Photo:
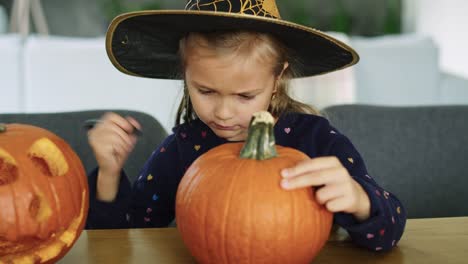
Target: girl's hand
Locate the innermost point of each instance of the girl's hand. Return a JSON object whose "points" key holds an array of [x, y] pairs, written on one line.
{"points": [[338, 191], [111, 140]]}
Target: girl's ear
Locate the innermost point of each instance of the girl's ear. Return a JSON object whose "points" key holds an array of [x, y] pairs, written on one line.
{"points": [[278, 78], [285, 66]]}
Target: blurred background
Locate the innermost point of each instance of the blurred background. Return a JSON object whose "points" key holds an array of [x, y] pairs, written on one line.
{"points": [[87, 18], [413, 52]]}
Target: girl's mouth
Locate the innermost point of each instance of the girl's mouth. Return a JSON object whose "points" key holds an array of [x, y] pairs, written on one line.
{"points": [[220, 127]]}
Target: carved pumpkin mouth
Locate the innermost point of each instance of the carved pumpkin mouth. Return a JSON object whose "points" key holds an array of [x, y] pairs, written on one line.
{"points": [[35, 250]]}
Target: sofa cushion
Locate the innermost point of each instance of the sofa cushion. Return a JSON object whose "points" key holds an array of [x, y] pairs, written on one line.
{"points": [[397, 70], [453, 89], [418, 153], [10, 72]]}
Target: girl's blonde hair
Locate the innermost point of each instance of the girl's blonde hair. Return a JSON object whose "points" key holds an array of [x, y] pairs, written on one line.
{"points": [[252, 45]]}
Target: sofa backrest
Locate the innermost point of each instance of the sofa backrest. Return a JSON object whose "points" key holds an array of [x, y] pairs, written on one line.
{"points": [[397, 70], [69, 126], [418, 153]]}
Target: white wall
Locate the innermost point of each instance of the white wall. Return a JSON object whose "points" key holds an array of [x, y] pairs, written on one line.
{"points": [[69, 74], [446, 21]]}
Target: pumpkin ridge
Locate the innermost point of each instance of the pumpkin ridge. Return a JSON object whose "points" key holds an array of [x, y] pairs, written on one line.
{"points": [[276, 216], [53, 205], [193, 184], [26, 220], [71, 191], [77, 167], [184, 198], [294, 220], [57, 204], [211, 172], [227, 206], [318, 221], [249, 220], [204, 222], [17, 229]]}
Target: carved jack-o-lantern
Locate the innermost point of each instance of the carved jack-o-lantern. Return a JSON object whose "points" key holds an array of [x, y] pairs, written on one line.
{"points": [[43, 195]]}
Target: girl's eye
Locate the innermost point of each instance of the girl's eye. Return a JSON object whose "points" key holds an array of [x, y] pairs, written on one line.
{"points": [[246, 97], [205, 91]]}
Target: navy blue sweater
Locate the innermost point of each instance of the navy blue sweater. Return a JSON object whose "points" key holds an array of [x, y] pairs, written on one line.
{"points": [[150, 202]]}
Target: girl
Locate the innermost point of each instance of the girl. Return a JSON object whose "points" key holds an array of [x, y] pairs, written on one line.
{"points": [[233, 64]]}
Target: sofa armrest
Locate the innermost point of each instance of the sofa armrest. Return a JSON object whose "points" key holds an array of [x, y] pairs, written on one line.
{"points": [[453, 89], [10, 72], [397, 70]]}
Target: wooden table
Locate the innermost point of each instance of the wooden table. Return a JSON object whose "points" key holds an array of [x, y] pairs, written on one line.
{"points": [[436, 240]]}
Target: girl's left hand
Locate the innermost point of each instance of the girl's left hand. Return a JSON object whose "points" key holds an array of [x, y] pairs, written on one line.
{"points": [[338, 191]]}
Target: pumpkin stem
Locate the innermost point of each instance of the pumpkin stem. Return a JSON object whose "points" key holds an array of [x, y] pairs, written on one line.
{"points": [[3, 128], [260, 143]]}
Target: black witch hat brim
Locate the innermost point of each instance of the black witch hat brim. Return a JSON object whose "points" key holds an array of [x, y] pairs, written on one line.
{"points": [[146, 43]]}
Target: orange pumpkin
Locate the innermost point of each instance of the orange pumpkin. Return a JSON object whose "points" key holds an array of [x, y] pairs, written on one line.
{"points": [[230, 208], [43, 195]]}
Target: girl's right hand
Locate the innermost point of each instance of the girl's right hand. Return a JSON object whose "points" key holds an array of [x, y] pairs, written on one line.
{"points": [[111, 140]]}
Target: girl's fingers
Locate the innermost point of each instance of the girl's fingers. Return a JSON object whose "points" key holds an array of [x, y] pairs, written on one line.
{"points": [[123, 123], [107, 128], [111, 143], [314, 178], [133, 140], [119, 153], [122, 135], [310, 165], [339, 204], [134, 122], [328, 193], [122, 147]]}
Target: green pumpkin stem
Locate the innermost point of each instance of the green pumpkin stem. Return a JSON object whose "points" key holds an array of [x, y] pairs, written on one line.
{"points": [[260, 143], [3, 128]]}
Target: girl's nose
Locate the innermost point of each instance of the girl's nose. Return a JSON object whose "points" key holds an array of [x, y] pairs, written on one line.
{"points": [[223, 110]]}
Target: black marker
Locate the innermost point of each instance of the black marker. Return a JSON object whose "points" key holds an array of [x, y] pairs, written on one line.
{"points": [[90, 123]]}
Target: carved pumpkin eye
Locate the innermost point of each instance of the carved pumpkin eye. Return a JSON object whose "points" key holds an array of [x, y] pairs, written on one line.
{"points": [[8, 168], [48, 157]]}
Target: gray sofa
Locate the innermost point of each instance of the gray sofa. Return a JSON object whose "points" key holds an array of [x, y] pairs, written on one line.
{"points": [[418, 153]]}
